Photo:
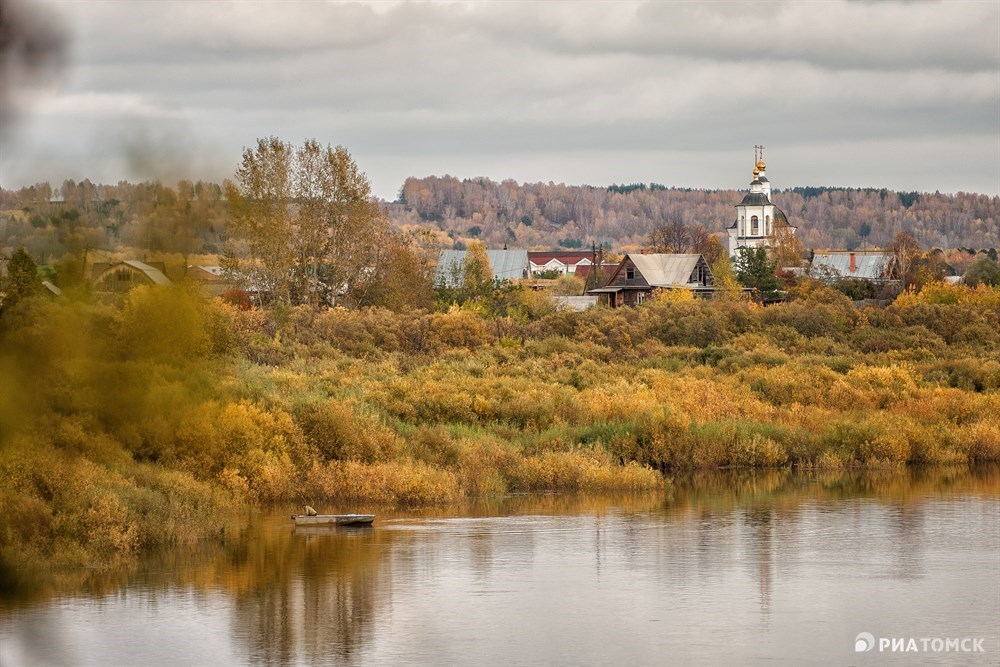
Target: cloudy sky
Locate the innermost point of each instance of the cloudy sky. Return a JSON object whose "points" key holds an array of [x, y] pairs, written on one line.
{"points": [[904, 95]]}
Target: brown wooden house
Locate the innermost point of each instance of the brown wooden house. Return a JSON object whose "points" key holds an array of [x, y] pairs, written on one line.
{"points": [[639, 276]]}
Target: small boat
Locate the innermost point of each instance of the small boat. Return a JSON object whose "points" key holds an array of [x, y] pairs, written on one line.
{"points": [[333, 519]]}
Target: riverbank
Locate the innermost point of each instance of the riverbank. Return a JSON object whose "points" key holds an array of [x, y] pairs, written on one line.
{"points": [[130, 427]]}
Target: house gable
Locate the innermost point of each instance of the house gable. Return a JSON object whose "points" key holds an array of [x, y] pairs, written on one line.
{"points": [[638, 276]]}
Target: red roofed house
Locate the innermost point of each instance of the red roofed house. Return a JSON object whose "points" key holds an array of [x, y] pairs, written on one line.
{"points": [[561, 261]]}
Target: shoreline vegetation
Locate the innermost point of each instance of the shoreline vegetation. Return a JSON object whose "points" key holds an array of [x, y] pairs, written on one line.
{"points": [[161, 419]]}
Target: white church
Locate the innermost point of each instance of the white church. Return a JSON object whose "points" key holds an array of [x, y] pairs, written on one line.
{"points": [[756, 216]]}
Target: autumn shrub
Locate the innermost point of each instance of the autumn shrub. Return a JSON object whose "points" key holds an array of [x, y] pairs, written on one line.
{"points": [[888, 439], [431, 444], [402, 483], [338, 429], [868, 340], [738, 443], [580, 470], [981, 440], [659, 438], [66, 509], [968, 374], [883, 386], [168, 324], [483, 465], [811, 318], [456, 329], [686, 323], [944, 320], [793, 383]]}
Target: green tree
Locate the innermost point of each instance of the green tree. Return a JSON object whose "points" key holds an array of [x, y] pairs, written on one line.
{"points": [[755, 269], [983, 271], [478, 273], [22, 278]]}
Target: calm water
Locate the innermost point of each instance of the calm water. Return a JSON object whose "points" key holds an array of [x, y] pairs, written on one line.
{"points": [[766, 568]]}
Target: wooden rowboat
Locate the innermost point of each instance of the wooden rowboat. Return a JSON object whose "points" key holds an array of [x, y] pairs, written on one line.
{"points": [[333, 519]]}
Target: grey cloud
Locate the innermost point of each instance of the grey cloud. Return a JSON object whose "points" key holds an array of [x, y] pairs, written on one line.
{"points": [[482, 82]]}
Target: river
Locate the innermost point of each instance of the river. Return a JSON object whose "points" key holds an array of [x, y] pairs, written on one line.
{"points": [[767, 567]]}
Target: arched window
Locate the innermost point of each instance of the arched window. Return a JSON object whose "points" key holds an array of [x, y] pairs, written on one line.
{"points": [[743, 226], [754, 226]]}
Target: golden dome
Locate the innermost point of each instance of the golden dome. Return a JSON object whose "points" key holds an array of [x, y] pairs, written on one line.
{"points": [[760, 164], [756, 172]]}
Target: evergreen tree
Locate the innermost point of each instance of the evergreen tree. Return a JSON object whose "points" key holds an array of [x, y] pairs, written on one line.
{"points": [[22, 278], [755, 269]]}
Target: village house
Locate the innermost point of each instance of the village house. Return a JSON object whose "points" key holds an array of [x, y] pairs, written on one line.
{"points": [[123, 276], [211, 277], [874, 266], [640, 276], [565, 262], [506, 264]]}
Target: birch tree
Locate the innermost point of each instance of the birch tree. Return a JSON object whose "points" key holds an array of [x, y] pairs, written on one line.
{"points": [[305, 224]]}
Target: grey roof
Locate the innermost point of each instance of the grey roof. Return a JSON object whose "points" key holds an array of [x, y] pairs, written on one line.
{"points": [[151, 272], [662, 270], [755, 199], [868, 265], [506, 265]]}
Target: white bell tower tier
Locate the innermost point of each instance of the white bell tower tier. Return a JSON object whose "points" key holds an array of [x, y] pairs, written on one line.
{"points": [[756, 216]]}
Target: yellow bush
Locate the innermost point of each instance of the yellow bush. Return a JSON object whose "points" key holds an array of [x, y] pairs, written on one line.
{"points": [[392, 483], [982, 439]]}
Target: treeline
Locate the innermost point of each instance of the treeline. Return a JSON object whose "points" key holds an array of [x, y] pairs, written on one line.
{"points": [[192, 218], [51, 223], [540, 215]]}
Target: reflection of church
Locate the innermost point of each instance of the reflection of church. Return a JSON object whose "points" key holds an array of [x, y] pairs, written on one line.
{"points": [[756, 216]]}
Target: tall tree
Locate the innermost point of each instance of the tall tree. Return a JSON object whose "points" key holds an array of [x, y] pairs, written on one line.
{"points": [[983, 271], [905, 252], [260, 219], [22, 278], [754, 268], [478, 272], [308, 228]]}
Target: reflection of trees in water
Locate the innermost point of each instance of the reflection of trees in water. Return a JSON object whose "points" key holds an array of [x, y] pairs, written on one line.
{"points": [[769, 504], [309, 596]]}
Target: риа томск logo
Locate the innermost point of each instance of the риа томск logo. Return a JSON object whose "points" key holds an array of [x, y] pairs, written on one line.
{"points": [[866, 641]]}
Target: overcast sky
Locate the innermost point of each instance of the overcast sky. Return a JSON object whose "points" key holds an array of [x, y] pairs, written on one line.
{"points": [[904, 95]]}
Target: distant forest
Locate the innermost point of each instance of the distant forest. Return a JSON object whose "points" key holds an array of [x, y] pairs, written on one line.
{"points": [[190, 217], [548, 216]]}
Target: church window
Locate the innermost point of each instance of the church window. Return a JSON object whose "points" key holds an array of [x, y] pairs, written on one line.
{"points": [[743, 226], [767, 224], [754, 226]]}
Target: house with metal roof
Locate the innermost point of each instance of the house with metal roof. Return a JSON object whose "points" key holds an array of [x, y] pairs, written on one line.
{"points": [[873, 266], [506, 265], [123, 276], [639, 276]]}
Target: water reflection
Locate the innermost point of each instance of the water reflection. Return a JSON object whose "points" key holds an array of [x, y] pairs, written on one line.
{"points": [[736, 567]]}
